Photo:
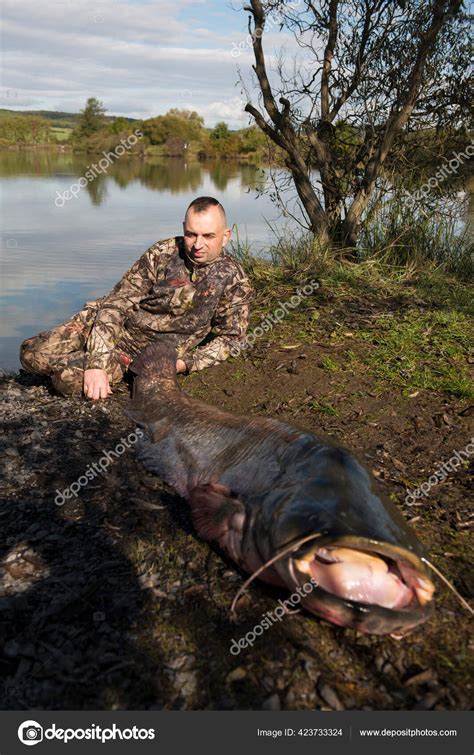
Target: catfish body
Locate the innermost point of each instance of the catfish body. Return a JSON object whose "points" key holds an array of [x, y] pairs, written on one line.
{"points": [[256, 485]]}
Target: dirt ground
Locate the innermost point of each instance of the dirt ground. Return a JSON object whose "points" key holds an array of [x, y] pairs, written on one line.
{"points": [[112, 602]]}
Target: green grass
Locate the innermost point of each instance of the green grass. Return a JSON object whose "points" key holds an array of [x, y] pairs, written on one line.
{"points": [[421, 350], [423, 271], [329, 364], [327, 409], [61, 134], [422, 343]]}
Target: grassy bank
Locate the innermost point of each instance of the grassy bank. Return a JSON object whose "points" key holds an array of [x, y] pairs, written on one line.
{"points": [[419, 336]]}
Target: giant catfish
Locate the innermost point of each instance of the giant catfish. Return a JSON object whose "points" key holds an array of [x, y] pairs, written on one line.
{"points": [[266, 491]]}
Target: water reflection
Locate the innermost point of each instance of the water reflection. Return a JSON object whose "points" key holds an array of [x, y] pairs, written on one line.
{"points": [[173, 175]]}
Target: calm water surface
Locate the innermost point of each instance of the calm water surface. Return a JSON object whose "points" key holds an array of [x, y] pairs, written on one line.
{"points": [[55, 258]]}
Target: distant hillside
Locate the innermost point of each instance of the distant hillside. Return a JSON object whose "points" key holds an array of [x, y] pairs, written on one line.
{"points": [[67, 120]]}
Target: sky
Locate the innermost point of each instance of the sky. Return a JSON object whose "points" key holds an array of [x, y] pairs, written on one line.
{"points": [[139, 57]]}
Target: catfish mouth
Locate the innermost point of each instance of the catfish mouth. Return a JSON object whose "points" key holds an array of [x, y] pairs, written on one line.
{"points": [[374, 587]]}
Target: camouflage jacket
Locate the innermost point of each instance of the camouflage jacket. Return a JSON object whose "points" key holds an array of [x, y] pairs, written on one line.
{"points": [[166, 292]]}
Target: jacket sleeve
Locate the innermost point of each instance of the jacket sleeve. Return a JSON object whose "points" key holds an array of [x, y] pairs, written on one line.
{"points": [[106, 331], [229, 324]]}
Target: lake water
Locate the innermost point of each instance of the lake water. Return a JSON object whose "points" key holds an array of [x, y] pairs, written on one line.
{"points": [[54, 258]]}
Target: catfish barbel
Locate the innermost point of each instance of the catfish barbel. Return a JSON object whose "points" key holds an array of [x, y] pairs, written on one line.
{"points": [[283, 503]]}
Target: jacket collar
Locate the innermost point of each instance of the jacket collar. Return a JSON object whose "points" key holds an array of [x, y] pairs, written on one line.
{"points": [[192, 266]]}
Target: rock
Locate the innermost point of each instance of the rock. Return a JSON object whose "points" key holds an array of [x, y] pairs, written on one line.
{"points": [[428, 702], [18, 569], [15, 390], [236, 674], [271, 703], [149, 580], [311, 669], [11, 452], [349, 701], [186, 682], [181, 662], [329, 696], [421, 678], [193, 590]]}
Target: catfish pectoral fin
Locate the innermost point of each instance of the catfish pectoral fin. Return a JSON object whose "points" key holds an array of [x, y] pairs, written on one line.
{"points": [[218, 515]]}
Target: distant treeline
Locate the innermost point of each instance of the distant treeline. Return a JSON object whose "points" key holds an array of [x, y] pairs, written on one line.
{"points": [[179, 133], [182, 133]]}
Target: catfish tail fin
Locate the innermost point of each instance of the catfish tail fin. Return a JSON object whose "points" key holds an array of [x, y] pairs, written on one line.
{"points": [[155, 369], [157, 361]]}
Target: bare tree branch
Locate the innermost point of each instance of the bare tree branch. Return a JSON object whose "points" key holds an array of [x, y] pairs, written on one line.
{"points": [[328, 56], [369, 69]]}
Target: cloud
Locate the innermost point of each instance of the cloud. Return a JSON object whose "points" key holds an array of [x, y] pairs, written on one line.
{"points": [[139, 57], [231, 111]]}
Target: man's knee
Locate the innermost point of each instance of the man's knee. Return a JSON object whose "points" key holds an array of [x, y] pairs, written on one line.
{"points": [[31, 358]]}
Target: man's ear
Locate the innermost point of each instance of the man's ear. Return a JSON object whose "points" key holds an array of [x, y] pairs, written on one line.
{"points": [[227, 233]]}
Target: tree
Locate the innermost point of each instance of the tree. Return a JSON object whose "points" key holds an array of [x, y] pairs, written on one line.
{"points": [[220, 131], [252, 139], [119, 125], [185, 124], [175, 146], [191, 116], [21, 129], [370, 71], [91, 118]]}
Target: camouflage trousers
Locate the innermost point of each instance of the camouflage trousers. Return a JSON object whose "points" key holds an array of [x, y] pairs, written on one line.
{"points": [[60, 353]]}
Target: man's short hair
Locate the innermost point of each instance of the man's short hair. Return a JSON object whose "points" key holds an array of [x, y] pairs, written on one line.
{"points": [[202, 204]]}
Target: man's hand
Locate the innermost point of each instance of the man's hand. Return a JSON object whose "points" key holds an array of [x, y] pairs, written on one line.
{"points": [[180, 366], [96, 384]]}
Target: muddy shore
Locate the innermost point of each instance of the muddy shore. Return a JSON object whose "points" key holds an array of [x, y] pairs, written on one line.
{"points": [[111, 601]]}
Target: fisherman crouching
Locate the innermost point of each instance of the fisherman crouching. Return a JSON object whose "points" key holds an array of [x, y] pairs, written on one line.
{"points": [[185, 285]]}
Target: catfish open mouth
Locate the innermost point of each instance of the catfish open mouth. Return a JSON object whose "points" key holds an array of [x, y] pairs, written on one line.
{"points": [[367, 574]]}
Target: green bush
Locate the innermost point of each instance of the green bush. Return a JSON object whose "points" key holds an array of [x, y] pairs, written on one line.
{"points": [[24, 129]]}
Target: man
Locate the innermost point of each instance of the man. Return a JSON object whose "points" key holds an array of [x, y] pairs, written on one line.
{"points": [[185, 286]]}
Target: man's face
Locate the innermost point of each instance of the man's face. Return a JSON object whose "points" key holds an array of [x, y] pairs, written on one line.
{"points": [[205, 234]]}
